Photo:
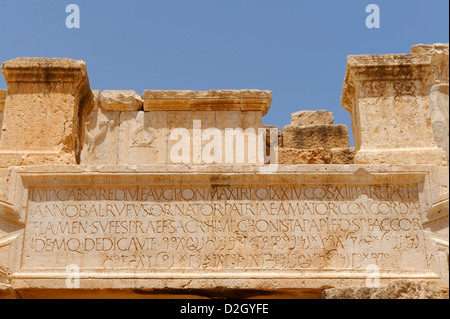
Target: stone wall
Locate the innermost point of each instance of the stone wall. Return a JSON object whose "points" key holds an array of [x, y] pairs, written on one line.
{"points": [[173, 193], [313, 139]]}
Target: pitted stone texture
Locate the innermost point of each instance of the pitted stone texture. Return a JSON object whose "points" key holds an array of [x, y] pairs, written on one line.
{"points": [[127, 210], [315, 136], [2, 108], [125, 100], [316, 156], [47, 103], [387, 97], [439, 106], [214, 100], [397, 290], [101, 138], [439, 53], [304, 118], [2, 100]]}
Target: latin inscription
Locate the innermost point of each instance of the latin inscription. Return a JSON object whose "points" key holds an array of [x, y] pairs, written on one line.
{"points": [[225, 227]]}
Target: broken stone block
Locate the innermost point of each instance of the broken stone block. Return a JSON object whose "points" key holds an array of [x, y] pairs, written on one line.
{"points": [[316, 156], [315, 136], [304, 118], [213, 100], [2, 107], [400, 289], [125, 100], [101, 138]]}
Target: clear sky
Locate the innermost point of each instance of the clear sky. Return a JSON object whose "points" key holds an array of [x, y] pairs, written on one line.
{"points": [[295, 48]]}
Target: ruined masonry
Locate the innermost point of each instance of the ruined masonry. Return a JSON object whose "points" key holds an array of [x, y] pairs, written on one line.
{"points": [[185, 193]]}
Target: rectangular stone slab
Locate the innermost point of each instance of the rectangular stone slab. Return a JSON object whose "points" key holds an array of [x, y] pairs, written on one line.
{"points": [[160, 227], [315, 136]]}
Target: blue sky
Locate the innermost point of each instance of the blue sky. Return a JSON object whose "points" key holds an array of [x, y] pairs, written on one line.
{"points": [[297, 49]]}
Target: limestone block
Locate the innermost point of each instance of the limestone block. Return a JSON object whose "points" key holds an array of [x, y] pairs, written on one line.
{"points": [[143, 137], [125, 100], [47, 103], [437, 83], [304, 118], [101, 139], [206, 112], [439, 53], [201, 227], [315, 136], [2, 100], [214, 100], [316, 156], [387, 97], [402, 289]]}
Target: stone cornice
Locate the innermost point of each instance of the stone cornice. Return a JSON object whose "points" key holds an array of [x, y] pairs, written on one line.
{"points": [[220, 100], [390, 67]]}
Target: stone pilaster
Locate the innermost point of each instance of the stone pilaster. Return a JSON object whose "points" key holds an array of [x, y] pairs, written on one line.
{"points": [[46, 103], [387, 97]]}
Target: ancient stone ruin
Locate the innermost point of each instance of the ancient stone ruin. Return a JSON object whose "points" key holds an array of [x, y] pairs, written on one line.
{"points": [[187, 193]]}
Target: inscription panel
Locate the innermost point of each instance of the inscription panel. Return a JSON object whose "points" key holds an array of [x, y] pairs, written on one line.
{"points": [[225, 227]]}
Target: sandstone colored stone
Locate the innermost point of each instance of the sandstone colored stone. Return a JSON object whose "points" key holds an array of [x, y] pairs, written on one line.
{"points": [[438, 84], [304, 118], [101, 140], [54, 93], [387, 97], [439, 53], [129, 222], [2, 107], [121, 100], [397, 290], [219, 100], [143, 138], [2, 100], [124, 195], [316, 156], [315, 136]]}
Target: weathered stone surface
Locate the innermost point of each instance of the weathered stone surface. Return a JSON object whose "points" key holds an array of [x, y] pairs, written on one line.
{"points": [[316, 156], [304, 118], [121, 100], [439, 53], [397, 290], [315, 136], [170, 223], [101, 140], [439, 105], [388, 98], [220, 100], [54, 93], [2, 100], [438, 83], [126, 221]]}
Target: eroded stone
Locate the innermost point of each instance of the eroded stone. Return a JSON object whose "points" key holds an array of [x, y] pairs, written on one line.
{"points": [[121, 100], [315, 136], [304, 118], [57, 95]]}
